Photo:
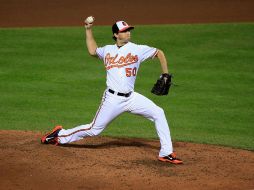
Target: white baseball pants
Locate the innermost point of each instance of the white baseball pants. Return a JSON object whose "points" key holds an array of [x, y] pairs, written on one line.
{"points": [[113, 105]]}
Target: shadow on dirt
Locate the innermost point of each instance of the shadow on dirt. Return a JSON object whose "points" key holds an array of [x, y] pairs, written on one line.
{"points": [[113, 143]]}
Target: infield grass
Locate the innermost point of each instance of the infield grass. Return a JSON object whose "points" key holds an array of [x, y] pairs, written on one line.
{"points": [[48, 78]]}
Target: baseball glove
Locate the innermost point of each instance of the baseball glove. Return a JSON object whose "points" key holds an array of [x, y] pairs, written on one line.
{"points": [[161, 87]]}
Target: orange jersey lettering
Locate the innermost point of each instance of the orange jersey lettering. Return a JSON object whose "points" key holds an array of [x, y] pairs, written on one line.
{"points": [[116, 61]]}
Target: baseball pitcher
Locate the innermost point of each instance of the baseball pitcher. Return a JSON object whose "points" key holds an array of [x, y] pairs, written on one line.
{"points": [[122, 61]]}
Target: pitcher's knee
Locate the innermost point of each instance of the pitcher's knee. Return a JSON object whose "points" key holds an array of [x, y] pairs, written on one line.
{"points": [[96, 131], [159, 112]]}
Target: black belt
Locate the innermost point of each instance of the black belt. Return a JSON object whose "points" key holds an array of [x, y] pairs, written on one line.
{"points": [[119, 93]]}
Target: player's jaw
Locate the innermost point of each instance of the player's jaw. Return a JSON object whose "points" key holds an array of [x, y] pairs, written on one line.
{"points": [[124, 37]]}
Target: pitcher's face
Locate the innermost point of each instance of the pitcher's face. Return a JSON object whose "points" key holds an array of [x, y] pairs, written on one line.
{"points": [[123, 36]]}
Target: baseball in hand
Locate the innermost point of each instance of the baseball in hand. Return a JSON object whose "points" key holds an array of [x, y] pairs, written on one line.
{"points": [[89, 20]]}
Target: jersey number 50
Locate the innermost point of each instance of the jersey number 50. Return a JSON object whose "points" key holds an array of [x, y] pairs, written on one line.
{"points": [[131, 71]]}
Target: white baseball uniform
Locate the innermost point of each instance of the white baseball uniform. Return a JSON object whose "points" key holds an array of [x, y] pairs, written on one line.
{"points": [[122, 64]]}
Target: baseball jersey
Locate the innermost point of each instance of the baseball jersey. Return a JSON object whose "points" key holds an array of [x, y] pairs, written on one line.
{"points": [[122, 64]]}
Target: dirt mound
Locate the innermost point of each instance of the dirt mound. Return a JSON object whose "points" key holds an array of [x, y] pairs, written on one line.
{"points": [[118, 163]]}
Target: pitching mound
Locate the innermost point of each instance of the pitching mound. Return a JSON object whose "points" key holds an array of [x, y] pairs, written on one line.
{"points": [[113, 163]]}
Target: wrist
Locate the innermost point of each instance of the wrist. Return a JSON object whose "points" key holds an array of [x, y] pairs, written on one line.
{"points": [[166, 75], [88, 26]]}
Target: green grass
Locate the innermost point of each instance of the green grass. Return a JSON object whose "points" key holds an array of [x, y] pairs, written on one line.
{"points": [[48, 78]]}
